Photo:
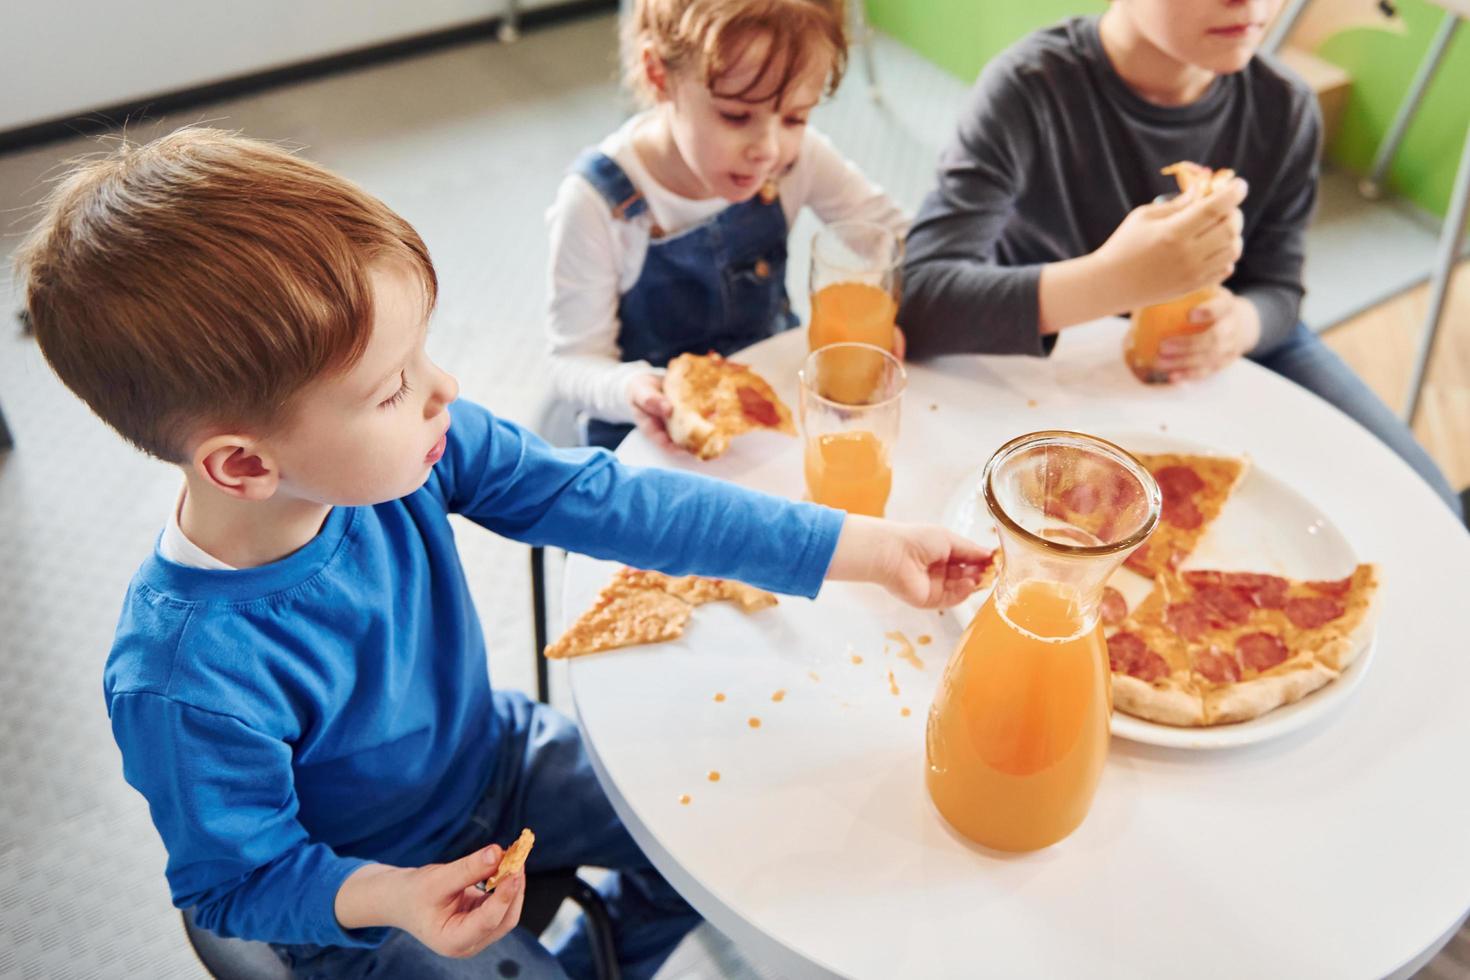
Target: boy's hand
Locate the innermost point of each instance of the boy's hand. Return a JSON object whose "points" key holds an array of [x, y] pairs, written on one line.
{"points": [[924, 565], [1235, 327], [651, 409], [438, 904], [1169, 248]]}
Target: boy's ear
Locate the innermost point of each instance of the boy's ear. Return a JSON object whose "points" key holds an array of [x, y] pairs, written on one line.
{"points": [[237, 465], [655, 72]]}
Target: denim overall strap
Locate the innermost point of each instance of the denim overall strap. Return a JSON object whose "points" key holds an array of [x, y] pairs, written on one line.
{"points": [[609, 180], [718, 286]]}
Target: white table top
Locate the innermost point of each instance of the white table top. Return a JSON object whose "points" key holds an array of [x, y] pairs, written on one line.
{"points": [[1342, 850]]}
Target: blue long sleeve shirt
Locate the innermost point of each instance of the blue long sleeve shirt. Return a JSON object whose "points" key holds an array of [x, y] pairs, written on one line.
{"points": [[292, 722]]}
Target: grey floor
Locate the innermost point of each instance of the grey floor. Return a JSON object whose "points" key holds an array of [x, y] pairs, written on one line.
{"points": [[468, 144]]}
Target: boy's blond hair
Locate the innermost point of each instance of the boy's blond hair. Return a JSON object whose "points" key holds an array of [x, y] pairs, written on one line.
{"points": [[709, 37], [205, 279]]}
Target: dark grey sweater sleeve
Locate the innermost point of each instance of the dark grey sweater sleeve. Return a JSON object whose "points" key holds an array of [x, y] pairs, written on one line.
{"points": [[957, 298], [1269, 273]]}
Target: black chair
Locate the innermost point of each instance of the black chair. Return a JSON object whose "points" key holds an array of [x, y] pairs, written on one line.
{"points": [[555, 422], [238, 959]]}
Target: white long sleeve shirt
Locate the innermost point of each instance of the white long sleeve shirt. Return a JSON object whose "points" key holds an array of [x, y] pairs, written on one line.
{"points": [[595, 258]]}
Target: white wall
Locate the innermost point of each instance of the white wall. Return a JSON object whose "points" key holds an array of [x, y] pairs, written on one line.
{"points": [[65, 57]]}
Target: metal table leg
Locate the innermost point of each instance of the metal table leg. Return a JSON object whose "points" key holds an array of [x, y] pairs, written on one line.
{"points": [[1283, 25], [1450, 237], [1371, 186], [510, 23]]}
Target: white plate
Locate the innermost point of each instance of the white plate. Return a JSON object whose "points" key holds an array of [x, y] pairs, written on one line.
{"points": [[1266, 526]]}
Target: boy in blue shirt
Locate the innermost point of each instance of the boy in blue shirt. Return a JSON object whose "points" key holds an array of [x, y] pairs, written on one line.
{"points": [[298, 682]]}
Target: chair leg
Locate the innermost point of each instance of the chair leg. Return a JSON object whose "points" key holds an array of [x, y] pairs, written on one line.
{"points": [[599, 930], [538, 621]]}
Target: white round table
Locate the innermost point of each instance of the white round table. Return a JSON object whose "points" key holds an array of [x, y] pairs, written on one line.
{"points": [[1342, 850]]}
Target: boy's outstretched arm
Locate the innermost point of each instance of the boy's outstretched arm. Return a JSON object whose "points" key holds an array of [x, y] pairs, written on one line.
{"points": [[924, 565]]}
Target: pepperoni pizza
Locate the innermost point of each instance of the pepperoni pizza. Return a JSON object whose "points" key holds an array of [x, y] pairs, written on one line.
{"points": [[1210, 647]]}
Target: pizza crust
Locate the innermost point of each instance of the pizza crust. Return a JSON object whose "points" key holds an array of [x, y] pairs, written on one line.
{"points": [[1163, 703], [639, 607]]}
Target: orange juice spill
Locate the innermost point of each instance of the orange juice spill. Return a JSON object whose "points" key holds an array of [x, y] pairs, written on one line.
{"points": [[905, 712], [754, 723], [852, 312], [684, 799], [779, 696], [849, 471], [714, 776], [856, 659], [1152, 325], [925, 639], [892, 685], [719, 697], [1019, 731]]}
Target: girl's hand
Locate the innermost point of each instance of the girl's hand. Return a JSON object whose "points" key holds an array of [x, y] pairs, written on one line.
{"points": [[651, 409]]}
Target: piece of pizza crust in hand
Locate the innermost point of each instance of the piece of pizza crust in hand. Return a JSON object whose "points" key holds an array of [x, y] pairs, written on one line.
{"points": [[639, 607], [1188, 174], [512, 860], [714, 400]]}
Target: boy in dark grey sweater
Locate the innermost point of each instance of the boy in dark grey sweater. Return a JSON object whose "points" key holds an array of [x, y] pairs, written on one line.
{"points": [[1044, 216]]}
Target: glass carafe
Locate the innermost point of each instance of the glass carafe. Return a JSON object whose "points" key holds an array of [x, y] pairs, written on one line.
{"points": [[1018, 731]]}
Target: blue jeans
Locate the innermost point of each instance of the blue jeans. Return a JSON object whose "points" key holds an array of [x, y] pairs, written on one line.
{"points": [[543, 781], [1304, 359]]}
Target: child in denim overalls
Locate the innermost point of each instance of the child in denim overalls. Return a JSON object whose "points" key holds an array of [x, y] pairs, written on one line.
{"points": [[670, 236]]}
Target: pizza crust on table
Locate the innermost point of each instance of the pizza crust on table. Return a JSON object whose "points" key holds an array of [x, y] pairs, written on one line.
{"points": [[639, 607], [1212, 648], [714, 400]]}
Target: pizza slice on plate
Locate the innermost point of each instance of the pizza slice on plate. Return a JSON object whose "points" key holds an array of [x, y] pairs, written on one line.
{"points": [[1211, 647], [1194, 489]]}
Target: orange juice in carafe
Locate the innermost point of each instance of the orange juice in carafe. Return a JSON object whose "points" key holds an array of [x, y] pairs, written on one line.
{"points": [[1019, 731], [849, 471]]}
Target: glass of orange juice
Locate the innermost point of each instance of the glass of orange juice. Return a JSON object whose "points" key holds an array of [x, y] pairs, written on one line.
{"points": [[854, 284], [1152, 325], [1018, 731], [849, 406]]}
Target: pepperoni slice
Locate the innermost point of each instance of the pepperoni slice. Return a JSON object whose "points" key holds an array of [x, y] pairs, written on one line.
{"points": [[1261, 651], [1199, 579], [1216, 665], [1178, 481], [1188, 619], [1309, 612], [758, 407], [1263, 591], [1114, 607], [1081, 498], [1182, 513], [1226, 605], [1128, 654], [1337, 589], [1138, 561]]}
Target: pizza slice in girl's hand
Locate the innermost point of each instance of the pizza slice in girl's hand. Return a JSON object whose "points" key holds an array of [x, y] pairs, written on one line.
{"points": [[1194, 489], [714, 400], [1210, 648]]}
